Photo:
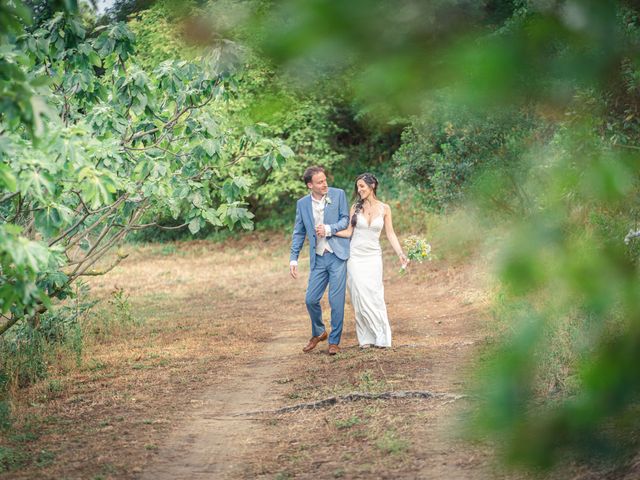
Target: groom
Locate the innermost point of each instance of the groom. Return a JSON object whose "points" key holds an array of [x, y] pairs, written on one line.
{"points": [[319, 216]]}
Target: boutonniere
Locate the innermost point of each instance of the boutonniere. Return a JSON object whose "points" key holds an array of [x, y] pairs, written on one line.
{"points": [[327, 199]]}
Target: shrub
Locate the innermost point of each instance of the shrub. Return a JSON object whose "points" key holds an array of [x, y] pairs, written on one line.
{"points": [[444, 150]]}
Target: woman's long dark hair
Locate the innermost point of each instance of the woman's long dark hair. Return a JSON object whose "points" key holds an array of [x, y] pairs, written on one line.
{"points": [[372, 181]]}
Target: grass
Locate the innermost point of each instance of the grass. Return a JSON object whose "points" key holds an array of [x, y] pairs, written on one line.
{"points": [[368, 383], [283, 476], [339, 473], [348, 423], [24, 437], [55, 386], [390, 443], [45, 458], [11, 459]]}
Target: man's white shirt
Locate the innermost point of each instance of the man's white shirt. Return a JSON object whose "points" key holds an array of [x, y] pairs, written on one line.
{"points": [[317, 206]]}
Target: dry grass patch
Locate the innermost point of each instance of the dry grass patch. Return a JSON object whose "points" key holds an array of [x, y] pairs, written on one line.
{"points": [[171, 323], [176, 320], [368, 439]]}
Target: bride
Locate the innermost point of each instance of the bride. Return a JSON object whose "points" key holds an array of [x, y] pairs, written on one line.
{"points": [[364, 267]]}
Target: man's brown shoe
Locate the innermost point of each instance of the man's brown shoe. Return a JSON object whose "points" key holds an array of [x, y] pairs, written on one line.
{"points": [[333, 349], [314, 341]]}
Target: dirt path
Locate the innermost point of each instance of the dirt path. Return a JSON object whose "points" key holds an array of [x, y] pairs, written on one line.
{"points": [[439, 320], [214, 441], [434, 338]]}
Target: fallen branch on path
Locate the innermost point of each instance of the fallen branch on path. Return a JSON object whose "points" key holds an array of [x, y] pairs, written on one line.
{"points": [[395, 347], [352, 397]]}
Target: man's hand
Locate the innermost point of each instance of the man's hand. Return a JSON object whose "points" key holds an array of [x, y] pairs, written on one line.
{"points": [[293, 270], [320, 231]]}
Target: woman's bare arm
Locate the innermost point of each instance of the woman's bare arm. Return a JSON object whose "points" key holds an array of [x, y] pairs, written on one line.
{"points": [[391, 235]]}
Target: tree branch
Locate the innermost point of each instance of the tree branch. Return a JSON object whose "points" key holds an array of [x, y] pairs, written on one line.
{"points": [[9, 196], [10, 323], [93, 273], [110, 210], [80, 270], [155, 224], [94, 247], [355, 396], [16, 318], [68, 230]]}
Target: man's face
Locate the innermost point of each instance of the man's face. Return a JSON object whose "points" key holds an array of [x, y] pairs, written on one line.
{"points": [[318, 184]]}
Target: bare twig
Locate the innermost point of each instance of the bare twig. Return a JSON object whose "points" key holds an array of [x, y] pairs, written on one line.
{"points": [[94, 273], [632, 147], [9, 196], [112, 207], [155, 224], [69, 230]]}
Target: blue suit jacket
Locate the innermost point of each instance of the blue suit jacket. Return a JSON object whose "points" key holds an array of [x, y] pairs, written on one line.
{"points": [[336, 215]]}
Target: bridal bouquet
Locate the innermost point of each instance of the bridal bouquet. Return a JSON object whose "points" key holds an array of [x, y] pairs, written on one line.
{"points": [[417, 249]]}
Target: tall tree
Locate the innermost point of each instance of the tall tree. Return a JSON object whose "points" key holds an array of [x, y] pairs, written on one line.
{"points": [[91, 144]]}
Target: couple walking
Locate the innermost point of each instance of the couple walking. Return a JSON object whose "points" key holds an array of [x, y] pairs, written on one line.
{"points": [[344, 250]]}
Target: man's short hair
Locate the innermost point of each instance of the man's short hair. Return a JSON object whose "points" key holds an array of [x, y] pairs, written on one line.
{"points": [[310, 172]]}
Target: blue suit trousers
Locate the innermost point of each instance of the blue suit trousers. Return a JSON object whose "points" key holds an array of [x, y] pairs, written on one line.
{"points": [[328, 270]]}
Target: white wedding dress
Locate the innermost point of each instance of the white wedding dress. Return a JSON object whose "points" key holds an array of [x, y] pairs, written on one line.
{"points": [[364, 279]]}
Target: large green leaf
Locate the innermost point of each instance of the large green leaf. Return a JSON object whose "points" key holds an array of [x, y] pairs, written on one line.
{"points": [[7, 178]]}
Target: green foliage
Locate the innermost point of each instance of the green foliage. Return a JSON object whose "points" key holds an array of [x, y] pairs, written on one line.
{"points": [[159, 37], [444, 150], [94, 147], [262, 106], [122, 307], [24, 355], [121, 9], [28, 347], [5, 409], [569, 287]]}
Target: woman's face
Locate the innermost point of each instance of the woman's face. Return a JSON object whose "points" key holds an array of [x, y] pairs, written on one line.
{"points": [[364, 190]]}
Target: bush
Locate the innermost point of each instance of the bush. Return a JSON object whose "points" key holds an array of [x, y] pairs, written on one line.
{"points": [[564, 378], [27, 349], [444, 150]]}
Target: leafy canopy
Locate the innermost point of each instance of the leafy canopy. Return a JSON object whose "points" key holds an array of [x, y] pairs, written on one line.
{"points": [[92, 144]]}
